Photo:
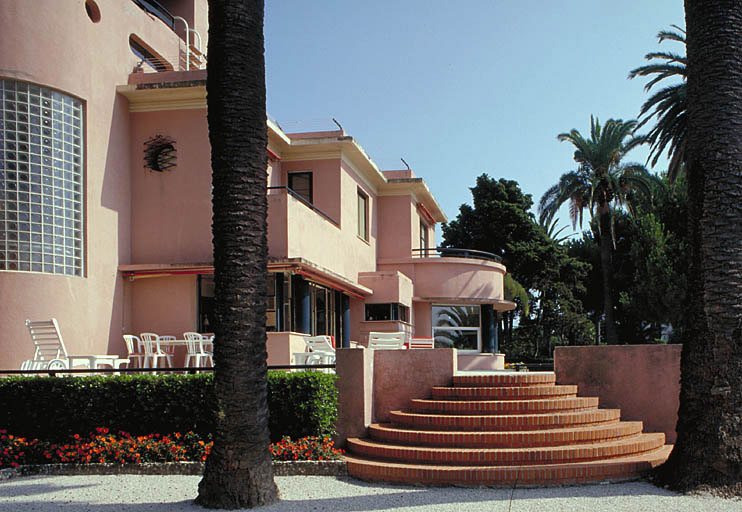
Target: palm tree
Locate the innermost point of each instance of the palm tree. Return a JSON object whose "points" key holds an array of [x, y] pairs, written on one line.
{"points": [[599, 182], [707, 452], [667, 105], [238, 471]]}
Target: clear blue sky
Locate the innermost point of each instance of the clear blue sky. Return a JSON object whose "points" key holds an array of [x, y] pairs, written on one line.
{"points": [[465, 87]]}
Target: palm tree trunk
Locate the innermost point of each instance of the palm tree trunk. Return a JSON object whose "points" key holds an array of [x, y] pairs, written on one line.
{"points": [[606, 269], [709, 428], [238, 471]]}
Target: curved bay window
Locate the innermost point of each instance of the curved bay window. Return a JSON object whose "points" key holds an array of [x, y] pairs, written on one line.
{"points": [[41, 180], [457, 326]]}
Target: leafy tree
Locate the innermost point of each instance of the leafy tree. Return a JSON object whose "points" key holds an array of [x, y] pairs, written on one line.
{"points": [[238, 471], [707, 451], [500, 223], [668, 105], [600, 182]]}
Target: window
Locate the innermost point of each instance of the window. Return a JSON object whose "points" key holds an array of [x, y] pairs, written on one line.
{"points": [[206, 306], [41, 181], [363, 215], [388, 311], [423, 239], [301, 183], [278, 317], [457, 326]]}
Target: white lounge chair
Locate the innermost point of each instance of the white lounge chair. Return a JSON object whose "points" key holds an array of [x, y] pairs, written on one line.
{"points": [[48, 346], [387, 340]]}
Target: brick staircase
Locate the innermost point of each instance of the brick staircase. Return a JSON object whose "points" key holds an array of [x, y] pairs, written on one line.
{"points": [[505, 429]]}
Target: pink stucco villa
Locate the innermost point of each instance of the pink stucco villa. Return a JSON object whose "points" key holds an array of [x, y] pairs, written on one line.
{"points": [[105, 204]]}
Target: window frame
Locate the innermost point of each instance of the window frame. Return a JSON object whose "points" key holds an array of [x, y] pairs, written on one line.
{"points": [[362, 224], [478, 329], [289, 182]]}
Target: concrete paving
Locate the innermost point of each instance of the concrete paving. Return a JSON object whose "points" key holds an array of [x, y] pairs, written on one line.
{"points": [[138, 493]]}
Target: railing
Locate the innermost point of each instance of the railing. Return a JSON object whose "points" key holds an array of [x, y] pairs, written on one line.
{"points": [[306, 203], [190, 370], [452, 252]]}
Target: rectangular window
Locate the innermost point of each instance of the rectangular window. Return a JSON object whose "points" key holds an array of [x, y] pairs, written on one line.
{"points": [[277, 315], [301, 184], [363, 215], [423, 239], [386, 311], [457, 326], [41, 180]]}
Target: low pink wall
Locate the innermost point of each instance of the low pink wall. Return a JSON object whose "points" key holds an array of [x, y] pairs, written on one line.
{"points": [[373, 382], [481, 362], [641, 380]]}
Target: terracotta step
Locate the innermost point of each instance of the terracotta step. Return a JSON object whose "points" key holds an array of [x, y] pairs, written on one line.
{"points": [[616, 469], [504, 393], [504, 439], [632, 445], [506, 379], [503, 406], [504, 422]]}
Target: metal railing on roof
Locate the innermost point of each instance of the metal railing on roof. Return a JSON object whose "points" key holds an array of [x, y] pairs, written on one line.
{"points": [[454, 252], [309, 205], [156, 9]]}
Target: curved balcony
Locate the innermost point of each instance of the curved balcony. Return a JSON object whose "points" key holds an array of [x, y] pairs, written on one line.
{"points": [[452, 275]]}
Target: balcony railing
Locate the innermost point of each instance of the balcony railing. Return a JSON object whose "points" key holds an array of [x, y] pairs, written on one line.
{"points": [[306, 203], [453, 252]]}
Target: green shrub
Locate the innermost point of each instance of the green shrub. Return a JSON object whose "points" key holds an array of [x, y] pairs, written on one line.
{"points": [[53, 408]]}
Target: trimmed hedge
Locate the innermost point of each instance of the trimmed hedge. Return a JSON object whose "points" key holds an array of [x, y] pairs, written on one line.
{"points": [[52, 408]]}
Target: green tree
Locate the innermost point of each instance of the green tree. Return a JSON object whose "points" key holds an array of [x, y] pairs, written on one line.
{"points": [[707, 451], [238, 471], [668, 105], [600, 181], [500, 223]]}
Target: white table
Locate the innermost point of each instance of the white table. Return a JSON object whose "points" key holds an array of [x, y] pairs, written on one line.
{"points": [[93, 360]]}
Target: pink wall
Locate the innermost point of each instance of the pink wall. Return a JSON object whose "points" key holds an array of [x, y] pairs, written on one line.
{"points": [[164, 305], [171, 210], [395, 222], [373, 382], [53, 43], [282, 346], [641, 380], [325, 183]]}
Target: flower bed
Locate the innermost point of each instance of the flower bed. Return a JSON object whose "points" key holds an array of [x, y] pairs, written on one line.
{"points": [[123, 448]]}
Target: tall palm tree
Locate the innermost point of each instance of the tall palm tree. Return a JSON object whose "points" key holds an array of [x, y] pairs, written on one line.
{"points": [[238, 471], [709, 429], [668, 105], [600, 182]]}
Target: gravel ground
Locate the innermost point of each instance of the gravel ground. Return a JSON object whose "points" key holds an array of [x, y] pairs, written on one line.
{"points": [[135, 493]]}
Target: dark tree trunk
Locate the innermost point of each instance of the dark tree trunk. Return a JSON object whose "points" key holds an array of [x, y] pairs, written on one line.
{"points": [[238, 471], [606, 269], [708, 450]]}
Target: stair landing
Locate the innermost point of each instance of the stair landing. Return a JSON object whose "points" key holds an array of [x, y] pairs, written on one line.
{"points": [[505, 429]]}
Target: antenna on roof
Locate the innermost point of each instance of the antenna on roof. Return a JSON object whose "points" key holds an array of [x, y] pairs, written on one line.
{"points": [[408, 165], [336, 122]]}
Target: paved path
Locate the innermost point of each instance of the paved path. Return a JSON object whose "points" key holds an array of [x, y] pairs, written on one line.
{"points": [[134, 493]]}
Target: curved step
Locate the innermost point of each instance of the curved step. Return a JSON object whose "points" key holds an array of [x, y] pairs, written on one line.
{"points": [[637, 444], [621, 468], [504, 393], [503, 406], [504, 422], [506, 379], [504, 439]]}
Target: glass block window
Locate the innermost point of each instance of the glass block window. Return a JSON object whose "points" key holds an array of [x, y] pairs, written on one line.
{"points": [[41, 189]]}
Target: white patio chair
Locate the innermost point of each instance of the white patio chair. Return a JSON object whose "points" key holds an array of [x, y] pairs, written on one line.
{"points": [[317, 350], [153, 353], [48, 346], [134, 350], [421, 343], [387, 340], [197, 355]]}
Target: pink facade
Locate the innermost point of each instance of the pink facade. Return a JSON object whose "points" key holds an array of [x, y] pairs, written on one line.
{"points": [[351, 248]]}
